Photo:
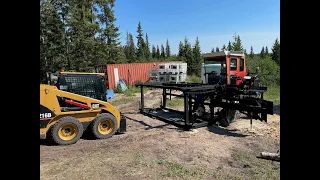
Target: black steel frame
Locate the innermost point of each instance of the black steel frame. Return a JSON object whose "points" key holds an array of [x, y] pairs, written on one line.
{"points": [[223, 96]]}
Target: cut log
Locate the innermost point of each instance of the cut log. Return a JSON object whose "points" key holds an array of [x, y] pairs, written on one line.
{"points": [[270, 156]]}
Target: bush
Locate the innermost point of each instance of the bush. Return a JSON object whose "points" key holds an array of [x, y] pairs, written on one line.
{"points": [[132, 90], [118, 89], [269, 71]]}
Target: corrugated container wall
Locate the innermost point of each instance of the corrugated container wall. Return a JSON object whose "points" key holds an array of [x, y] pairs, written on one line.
{"points": [[129, 73]]}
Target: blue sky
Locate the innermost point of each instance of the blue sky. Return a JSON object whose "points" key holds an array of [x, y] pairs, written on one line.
{"points": [[213, 21]]}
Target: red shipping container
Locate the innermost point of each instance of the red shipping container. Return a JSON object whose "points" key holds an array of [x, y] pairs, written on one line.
{"points": [[129, 73]]}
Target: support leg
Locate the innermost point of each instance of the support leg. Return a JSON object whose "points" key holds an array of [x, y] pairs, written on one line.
{"points": [[250, 122], [164, 98], [186, 110], [142, 100]]}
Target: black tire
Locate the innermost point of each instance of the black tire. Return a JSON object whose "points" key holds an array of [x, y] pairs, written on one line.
{"points": [[202, 109], [223, 120], [231, 115], [103, 126], [61, 128]]}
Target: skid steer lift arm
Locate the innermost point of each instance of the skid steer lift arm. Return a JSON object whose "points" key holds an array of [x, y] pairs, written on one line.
{"points": [[65, 116]]}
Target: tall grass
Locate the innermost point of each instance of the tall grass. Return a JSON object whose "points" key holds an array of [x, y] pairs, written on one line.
{"points": [[130, 91], [193, 79], [273, 94]]}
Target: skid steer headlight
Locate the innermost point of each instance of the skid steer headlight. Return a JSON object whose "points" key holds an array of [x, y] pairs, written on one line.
{"points": [[94, 106]]}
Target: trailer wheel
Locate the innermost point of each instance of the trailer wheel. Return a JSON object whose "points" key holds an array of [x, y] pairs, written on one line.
{"points": [[223, 120], [103, 126], [68, 130], [200, 108]]}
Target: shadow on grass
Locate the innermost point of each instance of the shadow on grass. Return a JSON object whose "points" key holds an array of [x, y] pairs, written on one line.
{"points": [[145, 124]]}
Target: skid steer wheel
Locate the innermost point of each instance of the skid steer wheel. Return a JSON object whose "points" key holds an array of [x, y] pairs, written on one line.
{"points": [[68, 130], [103, 126]]}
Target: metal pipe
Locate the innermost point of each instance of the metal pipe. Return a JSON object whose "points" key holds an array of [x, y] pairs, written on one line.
{"points": [[186, 110], [191, 119], [142, 100]]}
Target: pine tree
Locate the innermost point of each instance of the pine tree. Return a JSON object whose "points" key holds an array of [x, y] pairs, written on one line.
{"points": [[158, 52], [229, 48], [111, 32], [130, 49], [224, 48], [217, 49], [168, 51], [212, 50], [82, 30], [162, 54], [251, 52], [147, 53], [262, 53], [245, 52], [181, 50], [154, 52], [140, 43], [276, 52], [188, 55], [126, 46], [122, 55], [52, 40], [62, 9], [267, 51], [237, 44], [196, 63]]}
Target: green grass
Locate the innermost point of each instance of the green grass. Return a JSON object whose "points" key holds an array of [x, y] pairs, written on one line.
{"points": [[273, 94], [174, 169], [122, 101], [193, 79], [175, 102], [131, 90]]}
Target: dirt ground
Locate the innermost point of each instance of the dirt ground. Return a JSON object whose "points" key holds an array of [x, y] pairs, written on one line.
{"points": [[151, 149]]}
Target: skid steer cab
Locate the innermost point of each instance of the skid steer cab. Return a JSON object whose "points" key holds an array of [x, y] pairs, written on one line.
{"points": [[227, 67], [65, 117], [87, 84]]}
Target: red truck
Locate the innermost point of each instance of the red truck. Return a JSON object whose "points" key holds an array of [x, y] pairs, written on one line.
{"points": [[225, 67]]}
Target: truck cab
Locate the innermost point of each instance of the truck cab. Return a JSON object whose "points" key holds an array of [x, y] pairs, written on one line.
{"points": [[227, 67]]}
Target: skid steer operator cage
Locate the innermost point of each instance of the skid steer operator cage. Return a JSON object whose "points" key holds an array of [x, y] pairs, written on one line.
{"points": [[89, 85]]}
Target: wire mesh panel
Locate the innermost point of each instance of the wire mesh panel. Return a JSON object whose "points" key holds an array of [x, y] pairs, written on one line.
{"points": [[90, 85]]}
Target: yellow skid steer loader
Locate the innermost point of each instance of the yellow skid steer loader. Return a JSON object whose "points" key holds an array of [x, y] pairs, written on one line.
{"points": [[65, 116]]}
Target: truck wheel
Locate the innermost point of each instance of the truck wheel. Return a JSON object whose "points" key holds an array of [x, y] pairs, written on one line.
{"points": [[68, 130], [104, 126]]}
